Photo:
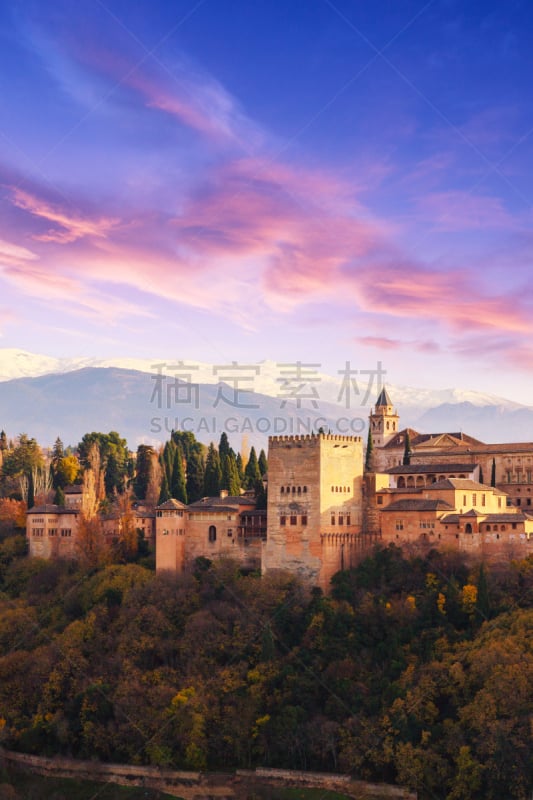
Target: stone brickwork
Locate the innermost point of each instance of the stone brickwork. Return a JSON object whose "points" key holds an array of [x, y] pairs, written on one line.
{"points": [[314, 514]]}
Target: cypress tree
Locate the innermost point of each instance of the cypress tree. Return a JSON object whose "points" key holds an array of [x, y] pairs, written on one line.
{"points": [[493, 473], [407, 449], [177, 487], [213, 472], [164, 494], [59, 498], [143, 464], [195, 477], [252, 473], [481, 475], [240, 469], [223, 447], [230, 475], [263, 463], [3, 440], [369, 452]]}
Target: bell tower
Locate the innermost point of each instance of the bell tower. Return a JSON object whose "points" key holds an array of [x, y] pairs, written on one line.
{"points": [[384, 421]]}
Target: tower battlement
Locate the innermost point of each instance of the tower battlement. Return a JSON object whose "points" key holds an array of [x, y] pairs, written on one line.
{"points": [[307, 437]]}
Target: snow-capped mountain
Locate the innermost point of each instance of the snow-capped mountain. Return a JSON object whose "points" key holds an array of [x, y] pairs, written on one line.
{"points": [[268, 381]]}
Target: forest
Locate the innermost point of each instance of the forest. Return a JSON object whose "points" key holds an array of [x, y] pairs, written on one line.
{"points": [[417, 672]]}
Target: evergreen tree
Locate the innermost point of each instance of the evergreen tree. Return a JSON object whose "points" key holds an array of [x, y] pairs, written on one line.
{"points": [[263, 463], [481, 475], [3, 441], [407, 449], [369, 452], [230, 475], [164, 494], [59, 498], [177, 487], [260, 495], [31, 491], [223, 447], [213, 472], [58, 453], [252, 474], [493, 473], [195, 477], [240, 469], [145, 454]]}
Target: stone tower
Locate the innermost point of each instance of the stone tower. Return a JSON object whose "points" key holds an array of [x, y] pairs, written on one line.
{"points": [[314, 514], [384, 421]]}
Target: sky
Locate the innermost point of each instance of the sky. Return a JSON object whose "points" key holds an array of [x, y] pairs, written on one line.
{"points": [[319, 181]]}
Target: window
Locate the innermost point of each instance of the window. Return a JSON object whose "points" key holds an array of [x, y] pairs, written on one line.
{"points": [[399, 524], [474, 499], [283, 520], [52, 532], [282, 489], [230, 531], [341, 519], [294, 520], [66, 532], [348, 519], [333, 519], [380, 499], [482, 499], [305, 489], [212, 533], [304, 519], [464, 499]]}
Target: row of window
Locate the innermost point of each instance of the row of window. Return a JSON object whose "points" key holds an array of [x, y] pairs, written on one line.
{"points": [[340, 489], [293, 520], [293, 490], [39, 532], [341, 519]]}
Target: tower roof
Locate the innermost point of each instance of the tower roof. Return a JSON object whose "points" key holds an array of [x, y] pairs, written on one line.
{"points": [[383, 399]]}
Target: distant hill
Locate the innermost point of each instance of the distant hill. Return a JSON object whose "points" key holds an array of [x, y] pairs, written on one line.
{"points": [[69, 404]]}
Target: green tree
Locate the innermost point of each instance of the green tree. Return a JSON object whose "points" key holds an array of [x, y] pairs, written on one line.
{"points": [[195, 477], [493, 473], [252, 474], [224, 448], [369, 452], [407, 449], [143, 466], [164, 494], [213, 472], [263, 463], [178, 488], [59, 498], [230, 475]]}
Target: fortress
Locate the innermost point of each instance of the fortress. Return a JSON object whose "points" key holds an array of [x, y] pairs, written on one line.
{"points": [[329, 503]]}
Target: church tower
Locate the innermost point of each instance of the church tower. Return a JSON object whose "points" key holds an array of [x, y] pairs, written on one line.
{"points": [[384, 421]]}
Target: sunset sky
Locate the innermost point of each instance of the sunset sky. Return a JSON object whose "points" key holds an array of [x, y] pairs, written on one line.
{"points": [[306, 180]]}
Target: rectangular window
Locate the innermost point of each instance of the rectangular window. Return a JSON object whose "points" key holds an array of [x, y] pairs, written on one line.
{"points": [[464, 499], [283, 520], [333, 519], [341, 520], [52, 532], [294, 520], [304, 519], [230, 531], [399, 524], [380, 499], [474, 499], [482, 499]]}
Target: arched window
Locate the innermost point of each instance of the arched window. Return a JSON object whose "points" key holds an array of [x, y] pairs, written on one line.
{"points": [[488, 527], [299, 489], [212, 533], [468, 528], [401, 482], [282, 489], [305, 489]]}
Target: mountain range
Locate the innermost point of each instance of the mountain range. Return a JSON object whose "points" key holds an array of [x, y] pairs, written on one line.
{"points": [[48, 397]]}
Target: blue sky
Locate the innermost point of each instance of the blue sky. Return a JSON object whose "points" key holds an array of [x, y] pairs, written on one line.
{"points": [[317, 181]]}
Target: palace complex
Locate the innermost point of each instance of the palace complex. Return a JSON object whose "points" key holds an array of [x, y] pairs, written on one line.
{"points": [[329, 503]]}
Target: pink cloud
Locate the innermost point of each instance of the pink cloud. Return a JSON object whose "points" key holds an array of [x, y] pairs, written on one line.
{"points": [[70, 226]]}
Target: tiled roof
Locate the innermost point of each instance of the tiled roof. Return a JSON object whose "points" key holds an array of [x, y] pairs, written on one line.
{"points": [[415, 469], [459, 484], [171, 505], [219, 509], [51, 508], [383, 399], [432, 440], [417, 505], [230, 500]]}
